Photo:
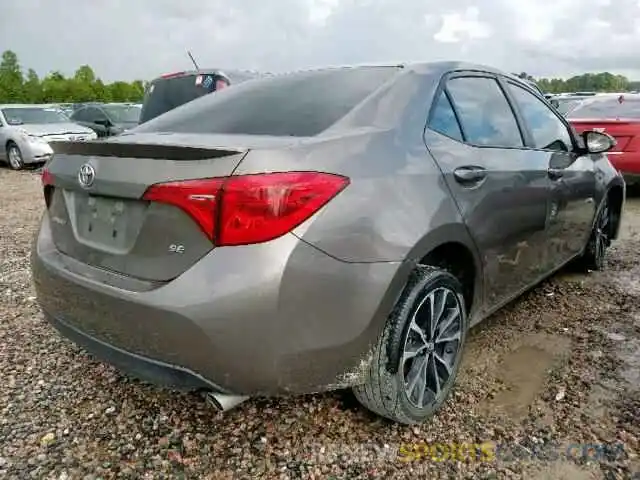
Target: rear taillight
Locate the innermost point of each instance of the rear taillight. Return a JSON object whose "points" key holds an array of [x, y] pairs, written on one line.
{"points": [[46, 177], [248, 209], [47, 185]]}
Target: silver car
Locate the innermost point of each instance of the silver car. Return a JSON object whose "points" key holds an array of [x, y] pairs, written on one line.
{"points": [[26, 130], [320, 230]]}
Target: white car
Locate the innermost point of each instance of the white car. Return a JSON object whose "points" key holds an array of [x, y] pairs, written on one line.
{"points": [[26, 130]]}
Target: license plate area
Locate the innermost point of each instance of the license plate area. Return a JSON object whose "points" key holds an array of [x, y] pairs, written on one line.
{"points": [[107, 223]]}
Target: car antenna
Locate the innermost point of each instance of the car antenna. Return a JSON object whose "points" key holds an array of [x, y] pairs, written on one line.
{"points": [[193, 60]]}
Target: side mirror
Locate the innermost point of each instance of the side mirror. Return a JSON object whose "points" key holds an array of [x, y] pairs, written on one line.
{"points": [[598, 142]]}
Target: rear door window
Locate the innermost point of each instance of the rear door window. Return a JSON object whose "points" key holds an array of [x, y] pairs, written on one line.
{"points": [[443, 118], [484, 112], [298, 105]]}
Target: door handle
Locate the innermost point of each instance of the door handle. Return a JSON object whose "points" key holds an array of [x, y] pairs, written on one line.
{"points": [[555, 174], [469, 174]]}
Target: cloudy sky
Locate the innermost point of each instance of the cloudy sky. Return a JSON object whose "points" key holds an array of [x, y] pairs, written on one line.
{"points": [[127, 39]]}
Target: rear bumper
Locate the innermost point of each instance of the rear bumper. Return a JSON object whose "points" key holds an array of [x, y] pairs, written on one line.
{"points": [[143, 368], [279, 317]]}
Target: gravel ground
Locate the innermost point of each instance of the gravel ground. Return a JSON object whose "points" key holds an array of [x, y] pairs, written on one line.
{"points": [[560, 366]]}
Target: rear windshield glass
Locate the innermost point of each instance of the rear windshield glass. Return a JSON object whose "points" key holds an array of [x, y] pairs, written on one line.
{"points": [[166, 94], [298, 105], [610, 107]]}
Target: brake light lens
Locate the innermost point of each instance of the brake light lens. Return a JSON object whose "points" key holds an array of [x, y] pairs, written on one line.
{"points": [[47, 184], [248, 209], [46, 177], [198, 198]]}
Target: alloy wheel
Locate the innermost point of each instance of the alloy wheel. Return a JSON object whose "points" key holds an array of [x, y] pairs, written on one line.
{"points": [[601, 233], [432, 346], [15, 157]]}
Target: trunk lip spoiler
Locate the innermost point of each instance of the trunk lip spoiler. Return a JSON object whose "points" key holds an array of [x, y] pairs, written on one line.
{"points": [[155, 151]]}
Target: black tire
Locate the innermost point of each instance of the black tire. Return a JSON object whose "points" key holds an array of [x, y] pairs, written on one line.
{"points": [[384, 391], [16, 164], [594, 255]]}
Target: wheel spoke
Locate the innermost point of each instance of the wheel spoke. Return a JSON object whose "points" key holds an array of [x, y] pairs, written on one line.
{"points": [[452, 315], [434, 372], [442, 362], [432, 308], [439, 310], [423, 378], [415, 328], [417, 377], [449, 338], [411, 352]]}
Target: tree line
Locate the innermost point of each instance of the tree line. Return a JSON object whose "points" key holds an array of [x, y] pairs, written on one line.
{"points": [[17, 86], [587, 82]]}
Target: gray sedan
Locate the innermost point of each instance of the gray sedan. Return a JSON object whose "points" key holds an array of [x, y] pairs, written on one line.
{"points": [[339, 228], [26, 130]]}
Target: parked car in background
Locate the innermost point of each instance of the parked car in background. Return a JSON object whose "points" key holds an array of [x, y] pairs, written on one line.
{"points": [[619, 116], [77, 106], [564, 104], [535, 86], [107, 119], [26, 130], [174, 89], [67, 108], [319, 230]]}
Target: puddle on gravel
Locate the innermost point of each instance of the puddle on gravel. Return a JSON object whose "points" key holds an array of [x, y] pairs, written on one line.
{"points": [[629, 353], [628, 281], [560, 471], [523, 371]]}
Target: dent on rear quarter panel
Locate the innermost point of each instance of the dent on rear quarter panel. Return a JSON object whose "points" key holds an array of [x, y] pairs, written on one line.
{"points": [[396, 195]]}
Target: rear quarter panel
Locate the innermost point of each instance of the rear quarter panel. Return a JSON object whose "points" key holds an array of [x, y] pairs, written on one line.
{"points": [[396, 200], [397, 206]]}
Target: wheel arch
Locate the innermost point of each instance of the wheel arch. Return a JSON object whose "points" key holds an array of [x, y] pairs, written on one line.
{"points": [[449, 247], [615, 195]]}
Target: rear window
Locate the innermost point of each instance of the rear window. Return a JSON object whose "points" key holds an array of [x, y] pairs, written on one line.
{"points": [[610, 107], [165, 94], [298, 105]]}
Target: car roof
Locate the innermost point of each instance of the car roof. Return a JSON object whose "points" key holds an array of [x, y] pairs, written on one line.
{"points": [[437, 68]]}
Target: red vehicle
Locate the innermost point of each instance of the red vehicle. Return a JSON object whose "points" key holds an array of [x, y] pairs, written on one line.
{"points": [[619, 116]]}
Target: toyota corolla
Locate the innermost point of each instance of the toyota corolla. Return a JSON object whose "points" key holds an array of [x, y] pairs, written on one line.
{"points": [[338, 228]]}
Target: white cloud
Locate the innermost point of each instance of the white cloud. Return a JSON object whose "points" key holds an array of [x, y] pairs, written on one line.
{"points": [[144, 38], [457, 27]]}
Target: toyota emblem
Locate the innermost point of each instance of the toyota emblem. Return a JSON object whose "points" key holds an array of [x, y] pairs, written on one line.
{"points": [[86, 175]]}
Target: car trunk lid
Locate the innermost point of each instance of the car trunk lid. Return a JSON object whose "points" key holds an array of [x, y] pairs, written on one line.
{"points": [[106, 222]]}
